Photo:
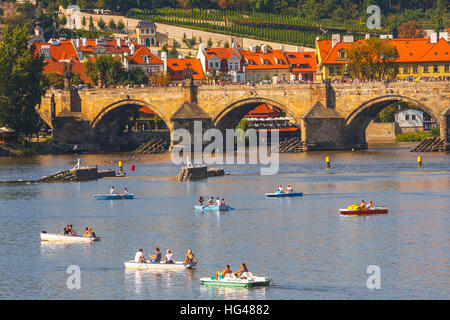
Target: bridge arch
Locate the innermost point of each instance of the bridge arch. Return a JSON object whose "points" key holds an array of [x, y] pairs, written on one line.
{"points": [[358, 120], [231, 115]]}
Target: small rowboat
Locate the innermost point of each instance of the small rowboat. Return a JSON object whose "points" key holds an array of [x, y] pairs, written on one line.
{"points": [[177, 265], [230, 280], [212, 208], [280, 194], [376, 210], [57, 237], [113, 196]]}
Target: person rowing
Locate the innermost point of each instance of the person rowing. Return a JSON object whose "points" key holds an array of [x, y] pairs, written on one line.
{"points": [[280, 189], [190, 258], [66, 231], [363, 205], [210, 202], [289, 188], [72, 231], [222, 202], [87, 233], [125, 191], [139, 256], [92, 232], [169, 257], [112, 190], [217, 201], [241, 270], [201, 201]]}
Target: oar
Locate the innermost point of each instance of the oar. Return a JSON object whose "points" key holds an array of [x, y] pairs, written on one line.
{"points": [[119, 195]]}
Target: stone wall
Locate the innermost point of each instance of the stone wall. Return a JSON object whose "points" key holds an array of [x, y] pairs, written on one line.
{"points": [[382, 131]]}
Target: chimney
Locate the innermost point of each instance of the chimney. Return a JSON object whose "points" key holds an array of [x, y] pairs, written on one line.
{"points": [[118, 42], [443, 35], [234, 45], [348, 39], [77, 43], [164, 59], [253, 49], [282, 48], [131, 49], [84, 42], [201, 47], [335, 39], [181, 57], [433, 37], [264, 49]]}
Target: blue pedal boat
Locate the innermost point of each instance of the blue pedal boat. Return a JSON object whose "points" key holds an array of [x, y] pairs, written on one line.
{"points": [[113, 196], [280, 194]]}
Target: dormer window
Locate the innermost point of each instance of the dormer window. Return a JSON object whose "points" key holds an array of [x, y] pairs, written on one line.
{"points": [[341, 54]]}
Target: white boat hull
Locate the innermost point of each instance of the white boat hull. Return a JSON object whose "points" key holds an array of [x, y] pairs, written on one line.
{"points": [[61, 238], [230, 280], [178, 265]]}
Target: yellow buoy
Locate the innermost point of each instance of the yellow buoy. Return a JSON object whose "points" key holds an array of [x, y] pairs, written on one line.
{"points": [[327, 160], [419, 160], [121, 165]]}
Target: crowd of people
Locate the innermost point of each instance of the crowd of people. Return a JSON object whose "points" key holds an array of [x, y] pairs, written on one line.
{"points": [[69, 231], [189, 258]]}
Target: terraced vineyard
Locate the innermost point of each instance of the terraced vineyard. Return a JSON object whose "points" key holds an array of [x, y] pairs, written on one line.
{"points": [[256, 25]]}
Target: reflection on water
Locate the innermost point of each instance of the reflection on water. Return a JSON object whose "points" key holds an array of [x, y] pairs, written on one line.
{"points": [[303, 243]]}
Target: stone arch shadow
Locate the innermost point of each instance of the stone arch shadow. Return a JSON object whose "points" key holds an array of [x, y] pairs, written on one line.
{"points": [[110, 121], [231, 115], [358, 120]]}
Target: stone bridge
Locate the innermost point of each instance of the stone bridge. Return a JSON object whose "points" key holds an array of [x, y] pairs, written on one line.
{"points": [[331, 116]]}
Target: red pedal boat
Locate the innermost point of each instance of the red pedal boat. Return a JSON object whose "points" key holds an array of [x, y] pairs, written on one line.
{"points": [[376, 210]]}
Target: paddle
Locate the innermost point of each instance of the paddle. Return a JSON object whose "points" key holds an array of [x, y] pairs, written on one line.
{"points": [[119, 195]]}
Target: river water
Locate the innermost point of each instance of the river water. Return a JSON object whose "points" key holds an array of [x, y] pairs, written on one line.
{"points": [[309, 250]]}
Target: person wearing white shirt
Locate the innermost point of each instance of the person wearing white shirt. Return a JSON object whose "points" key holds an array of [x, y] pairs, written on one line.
{"points": [[112, 191], [139, 257], [169, 256], [217, 201]]}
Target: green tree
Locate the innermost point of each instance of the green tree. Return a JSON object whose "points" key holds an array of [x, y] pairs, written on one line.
{"points": [[137, 76], [209, 44], [105, 71], [101, 24], [111, 24], [22, 83], [373, 59], [120, 25]]}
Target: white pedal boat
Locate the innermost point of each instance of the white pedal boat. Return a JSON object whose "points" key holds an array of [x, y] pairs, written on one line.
{"points": [[231, 280], [57, 237], [178, 265]]}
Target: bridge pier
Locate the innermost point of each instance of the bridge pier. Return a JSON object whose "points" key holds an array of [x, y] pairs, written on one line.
{"points": [[445, 128]]}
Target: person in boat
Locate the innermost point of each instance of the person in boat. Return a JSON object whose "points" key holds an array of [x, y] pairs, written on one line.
{"points": [[370, 205], [92, 232], [201, 201], [217, 201], [66, 230], [280, 189], [222, 202], [363, 205], [210, 201], [190, 258], [72, 231], [112, 190], [169, 257], [155, 258], [289, 188], [86, 233], [224, 272], [125, 191], [241, 270], [139, 256]]}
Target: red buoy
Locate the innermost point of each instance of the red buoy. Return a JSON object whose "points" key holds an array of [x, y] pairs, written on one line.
{"points": [[132, 167]]}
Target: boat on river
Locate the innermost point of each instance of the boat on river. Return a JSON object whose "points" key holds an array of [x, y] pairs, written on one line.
{"points": [[375, 210], [113, 196], [281, 194], [177, 265], [212, 208], [231, 280], [58, 237]]}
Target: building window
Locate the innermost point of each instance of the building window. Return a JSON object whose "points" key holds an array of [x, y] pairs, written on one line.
{"points": [[413, 117], [447, 68], [217, 64], [415, 69], [425, 68], [331, 70], [342, 54], [406, 116], [405, 69], [435, 68]]}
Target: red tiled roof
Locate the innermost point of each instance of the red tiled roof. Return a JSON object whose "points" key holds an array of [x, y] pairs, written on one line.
{"points": [[137, 58], [221, 53], [58, 67], [64, 51], [302, 61], [176, 66], [269, 60], [408, 50]]}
